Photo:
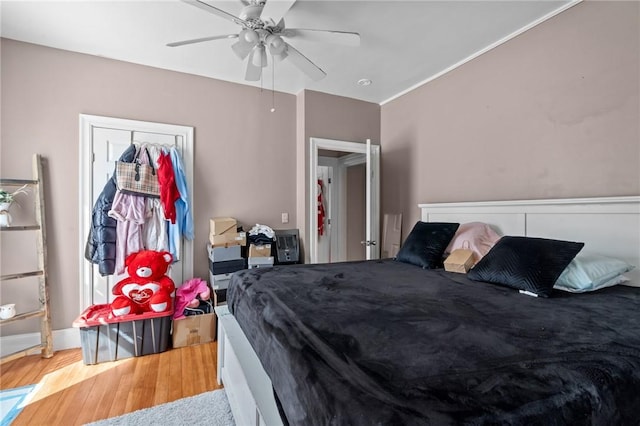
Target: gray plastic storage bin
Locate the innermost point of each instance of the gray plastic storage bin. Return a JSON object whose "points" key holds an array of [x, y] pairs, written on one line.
{"points": [[147, 334]]}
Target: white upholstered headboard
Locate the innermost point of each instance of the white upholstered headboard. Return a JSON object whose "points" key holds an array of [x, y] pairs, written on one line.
{"points": [[609, 225]]}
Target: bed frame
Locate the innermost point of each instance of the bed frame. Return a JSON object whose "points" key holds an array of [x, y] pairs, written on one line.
{"points": [[608, 226]]}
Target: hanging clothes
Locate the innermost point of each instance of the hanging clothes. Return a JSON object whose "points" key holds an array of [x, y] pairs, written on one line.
{"points": [[184, 217], [101, 241], [154, 230], [261, 234], [168, 189], [141, 221], [124, 223], [129, 212], [321, 212]]}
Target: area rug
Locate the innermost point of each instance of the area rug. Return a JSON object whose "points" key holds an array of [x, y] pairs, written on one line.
{"points": [[209, 408], [12, 401]]}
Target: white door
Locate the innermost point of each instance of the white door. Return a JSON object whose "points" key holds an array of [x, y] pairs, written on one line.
{"points": [[108, 146], [324, 192], [372, 218], [102, 142], [372, 196]]}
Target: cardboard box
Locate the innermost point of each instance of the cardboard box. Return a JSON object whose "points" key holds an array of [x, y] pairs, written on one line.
{"points": [[263, 250], [194, 330], [222, 225], [260, 262], [391, 233], [227, 267], [460, 260], [220, 281], [221, 254], [228, 239]]}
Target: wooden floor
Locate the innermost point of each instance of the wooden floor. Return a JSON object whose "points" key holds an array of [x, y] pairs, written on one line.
{"points": [[72, 393]]}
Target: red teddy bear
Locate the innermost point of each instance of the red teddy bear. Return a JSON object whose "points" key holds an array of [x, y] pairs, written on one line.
{"points": [[147, 288]]}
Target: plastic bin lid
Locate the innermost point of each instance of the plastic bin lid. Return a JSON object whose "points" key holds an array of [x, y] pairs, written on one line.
{"points": [[101, 314]]}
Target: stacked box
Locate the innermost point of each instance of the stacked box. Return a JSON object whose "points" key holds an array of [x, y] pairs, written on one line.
{"points": [[260, 250], [222, 254], [226, 267], [222, 225], [220, 281], [107, 338], [228, 239], [223, 232], [260, 256], [224, 261], [260, 262]]}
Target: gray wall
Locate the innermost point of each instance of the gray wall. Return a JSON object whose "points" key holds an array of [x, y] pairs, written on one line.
{"points": [[244, 154], [246, 158], [321, 115], [552, 113], [356, 209]]}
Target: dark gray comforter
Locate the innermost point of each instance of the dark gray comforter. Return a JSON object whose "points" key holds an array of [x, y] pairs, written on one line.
{"points": [[382, 342]]}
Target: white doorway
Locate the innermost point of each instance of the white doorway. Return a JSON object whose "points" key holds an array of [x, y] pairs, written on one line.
{"points": [[358, 153], [102, 141], [327, 249], [341, 175]]}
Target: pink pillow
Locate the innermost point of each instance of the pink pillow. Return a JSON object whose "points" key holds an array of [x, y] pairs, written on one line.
{"points": [[476, 236]]}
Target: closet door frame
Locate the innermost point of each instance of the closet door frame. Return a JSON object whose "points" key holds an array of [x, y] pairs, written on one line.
{"points": [[85, 207]]}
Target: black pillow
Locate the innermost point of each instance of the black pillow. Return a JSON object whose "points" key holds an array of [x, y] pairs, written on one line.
{"points": [[426, 244], [525, 263]]}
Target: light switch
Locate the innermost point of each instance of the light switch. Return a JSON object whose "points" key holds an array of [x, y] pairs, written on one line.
{"points": [[285, 217]]}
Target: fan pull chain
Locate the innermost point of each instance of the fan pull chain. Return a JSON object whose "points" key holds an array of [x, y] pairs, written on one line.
{"points": [[261, 78], [273, 85]]}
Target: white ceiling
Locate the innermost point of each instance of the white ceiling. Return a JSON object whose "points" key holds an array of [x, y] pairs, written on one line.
{"points": [[403, 43]]}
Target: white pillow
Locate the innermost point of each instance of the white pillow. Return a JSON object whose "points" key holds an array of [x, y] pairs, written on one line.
{"points": [[589, 272]]}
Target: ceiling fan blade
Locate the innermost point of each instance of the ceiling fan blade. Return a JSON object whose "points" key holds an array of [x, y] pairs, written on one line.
{"points": [[276, 9], [242, 48], [199, 40], [219, 12], [253, 72], [345, 38], [304, 64]]}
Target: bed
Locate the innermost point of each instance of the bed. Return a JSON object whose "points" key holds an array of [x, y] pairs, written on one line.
{"points": [[386, 342]]}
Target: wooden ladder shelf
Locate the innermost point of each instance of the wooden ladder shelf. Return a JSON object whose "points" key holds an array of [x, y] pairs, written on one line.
{"points": [[43, 312]]}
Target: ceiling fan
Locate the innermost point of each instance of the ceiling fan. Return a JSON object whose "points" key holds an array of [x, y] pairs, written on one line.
{"points": [[263, 28]]}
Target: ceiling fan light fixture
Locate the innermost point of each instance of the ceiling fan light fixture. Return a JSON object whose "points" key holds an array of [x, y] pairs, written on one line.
{"points": [[258, 32], [277, 50], [276, 43], [241, 48], [250, 36], [279, 54], [277, 57], [259, 58]]}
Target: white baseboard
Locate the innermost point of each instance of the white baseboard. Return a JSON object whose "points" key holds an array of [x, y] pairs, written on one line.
{"points": [[67, 338]]}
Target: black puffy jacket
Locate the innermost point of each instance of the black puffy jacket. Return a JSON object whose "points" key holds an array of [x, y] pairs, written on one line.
{"points": [[101, 243]]}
